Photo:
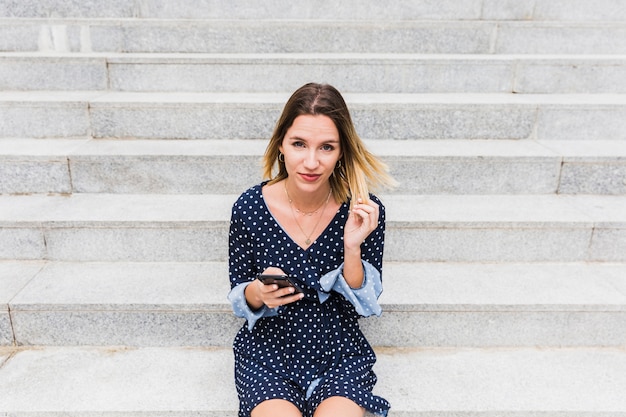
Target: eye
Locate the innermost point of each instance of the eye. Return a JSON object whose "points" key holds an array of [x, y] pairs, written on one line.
{"points": [[298, 144], [328, 147]]}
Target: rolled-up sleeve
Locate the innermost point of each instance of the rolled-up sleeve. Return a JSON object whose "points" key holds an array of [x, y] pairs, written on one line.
{"points": [[237, 298], [364, 299]]}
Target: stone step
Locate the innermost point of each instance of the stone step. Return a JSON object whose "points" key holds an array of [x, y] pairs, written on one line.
{"points": [[603, 10], [312, 36], [184, 304], [221, 166], [185, 227], [99, 114], [355, 73], [176, 382]]}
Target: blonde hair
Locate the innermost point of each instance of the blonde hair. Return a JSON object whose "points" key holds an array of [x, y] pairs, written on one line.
{"points": [[359, 170]]}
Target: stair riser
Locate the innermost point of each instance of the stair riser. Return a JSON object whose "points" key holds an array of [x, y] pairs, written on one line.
{"points": [[345, 10], [356, 75], [393, 329], [6, 330], [202, 241], [222, 175], [375, 121], [310, 37]]}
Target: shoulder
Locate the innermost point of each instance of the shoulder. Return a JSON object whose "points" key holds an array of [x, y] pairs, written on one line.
{"points": [[378, 201], [249, 199], [375, 199]]}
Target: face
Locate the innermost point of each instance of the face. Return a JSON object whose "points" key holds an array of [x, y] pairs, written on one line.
{"points": [[311, 147]]}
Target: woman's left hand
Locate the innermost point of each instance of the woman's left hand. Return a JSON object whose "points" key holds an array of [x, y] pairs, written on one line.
{"points": [[362, 221]]}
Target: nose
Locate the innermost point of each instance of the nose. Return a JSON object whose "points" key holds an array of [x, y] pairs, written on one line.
{"points": [[310, 160]]}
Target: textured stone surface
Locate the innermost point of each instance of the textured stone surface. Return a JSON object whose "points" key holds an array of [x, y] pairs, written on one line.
{"points": [[561, 10], [377, 116], [578, 123], [609, 244], [348, 72], [591, 167], [6, 330], [580, 10], [13, 277], [497, 272], [423, 228], [453, 382], [351, 73], [117, 381], [53, 74], [183, 121], [220, 167], [22, 243], [425, 304], [475, 244], [16, 37], [556, 38], [34, 177], [213, 9], [165, 174], [574, 77], [577, 10], [258, 36]]}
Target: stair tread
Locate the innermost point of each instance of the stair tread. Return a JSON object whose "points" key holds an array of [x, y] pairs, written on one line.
{"points": [[175, 381]]}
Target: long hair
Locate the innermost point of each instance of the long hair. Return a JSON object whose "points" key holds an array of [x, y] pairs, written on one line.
{"points": [[358, 170]]}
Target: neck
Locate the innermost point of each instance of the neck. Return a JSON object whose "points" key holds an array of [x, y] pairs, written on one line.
{"points": [[307, 202]]}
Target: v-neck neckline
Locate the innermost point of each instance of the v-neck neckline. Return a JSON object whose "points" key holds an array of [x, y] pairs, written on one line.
{"points": [[283, 230]]}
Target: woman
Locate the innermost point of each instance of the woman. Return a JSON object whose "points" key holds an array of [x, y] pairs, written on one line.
{"points": [[302, 352]]}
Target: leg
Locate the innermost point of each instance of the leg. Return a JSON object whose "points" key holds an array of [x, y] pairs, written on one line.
{"points": [[339, 406], [276, 408]]}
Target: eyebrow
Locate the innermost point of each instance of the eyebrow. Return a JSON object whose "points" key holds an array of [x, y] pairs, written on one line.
{"points": [[298, 138]]}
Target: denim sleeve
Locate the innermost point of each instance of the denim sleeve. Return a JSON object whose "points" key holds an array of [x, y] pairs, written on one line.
{"points": [[237, 298], [364, 299]]}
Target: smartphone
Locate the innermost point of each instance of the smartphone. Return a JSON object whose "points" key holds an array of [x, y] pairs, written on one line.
{"points": [[281, 280]]}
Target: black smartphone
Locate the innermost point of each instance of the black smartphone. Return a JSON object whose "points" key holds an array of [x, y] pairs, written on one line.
{"points": [[281, 280]]}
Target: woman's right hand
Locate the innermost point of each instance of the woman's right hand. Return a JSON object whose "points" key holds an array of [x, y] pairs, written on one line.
{"points": [[259, 294]]}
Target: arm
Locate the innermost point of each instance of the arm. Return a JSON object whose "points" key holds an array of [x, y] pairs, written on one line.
{"points": [[365, 217], [249, 297], [365, 297]]}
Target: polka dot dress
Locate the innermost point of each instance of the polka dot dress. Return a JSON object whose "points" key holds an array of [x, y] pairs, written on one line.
{"points": [[307, 351]]}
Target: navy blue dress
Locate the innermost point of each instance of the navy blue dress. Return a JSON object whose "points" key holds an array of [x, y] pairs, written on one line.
{"points": [[312, 349]]}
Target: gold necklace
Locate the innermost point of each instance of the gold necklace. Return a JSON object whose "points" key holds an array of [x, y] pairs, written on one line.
{"points": [[305, 213], [308, 237]]}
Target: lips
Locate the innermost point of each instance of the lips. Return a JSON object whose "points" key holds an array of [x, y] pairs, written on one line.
{"points": [[310, 177]]}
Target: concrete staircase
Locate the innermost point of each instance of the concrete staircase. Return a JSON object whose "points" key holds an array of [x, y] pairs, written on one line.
{"points": [[128, 128]]}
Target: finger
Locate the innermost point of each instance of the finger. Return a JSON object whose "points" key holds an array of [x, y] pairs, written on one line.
{"points": [[267, 288], [292, 298], [284, 299], [283, 292], [365, 212]]}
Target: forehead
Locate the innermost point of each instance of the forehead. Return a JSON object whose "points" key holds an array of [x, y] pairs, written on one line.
{"points": [[310, 127]]}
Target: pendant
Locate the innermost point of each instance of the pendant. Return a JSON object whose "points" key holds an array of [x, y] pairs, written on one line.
{"points": [[308, 241]]}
